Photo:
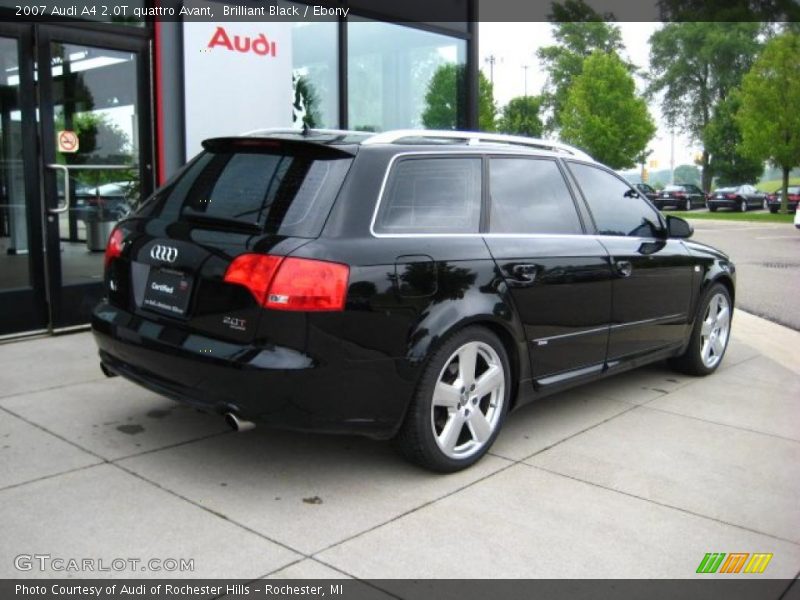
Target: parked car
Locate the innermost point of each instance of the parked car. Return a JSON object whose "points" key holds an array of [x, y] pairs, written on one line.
{"points": [[104, 202], [793, 197], [681, 196], [649, 192], [404, 285], [739, 197], [797, 219]]}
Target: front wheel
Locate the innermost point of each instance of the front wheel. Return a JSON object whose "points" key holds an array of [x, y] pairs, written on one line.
{"points": [[709, 338], [743, 206], [688, 205], [460, 402]]}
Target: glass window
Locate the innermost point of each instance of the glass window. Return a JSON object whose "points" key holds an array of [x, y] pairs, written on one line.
{"points": [[278, 193], [432, 195], [615, 208], [400, 77], [530, 196], [315, 74]]}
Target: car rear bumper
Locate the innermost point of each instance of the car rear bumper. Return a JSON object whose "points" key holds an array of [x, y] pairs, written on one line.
{"points": [[792, 206], [723, 203], [277, 386]]}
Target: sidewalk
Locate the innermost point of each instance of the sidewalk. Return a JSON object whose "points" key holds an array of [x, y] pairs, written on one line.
{"points": [[635, 477]]}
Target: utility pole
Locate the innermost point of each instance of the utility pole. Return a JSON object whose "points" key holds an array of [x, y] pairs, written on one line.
{"points": [[491, 60], [672, 156], [525, 69]]}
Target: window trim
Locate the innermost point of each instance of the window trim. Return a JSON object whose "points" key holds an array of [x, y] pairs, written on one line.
{"points": [[486, 226], [661, 220]]}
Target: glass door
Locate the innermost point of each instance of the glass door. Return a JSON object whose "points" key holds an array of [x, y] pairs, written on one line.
{"points": [[95, 156], [23, 306]]}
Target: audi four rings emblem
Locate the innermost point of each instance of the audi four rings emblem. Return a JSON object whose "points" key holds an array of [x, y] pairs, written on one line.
{"points": [[164, 253]]}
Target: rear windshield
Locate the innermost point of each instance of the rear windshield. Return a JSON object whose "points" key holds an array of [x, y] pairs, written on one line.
{"points": [[279, 193], [675, 188]]}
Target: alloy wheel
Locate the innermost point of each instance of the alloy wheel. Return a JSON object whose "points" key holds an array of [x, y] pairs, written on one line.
{"points": [[468, 400], [715, 330]]}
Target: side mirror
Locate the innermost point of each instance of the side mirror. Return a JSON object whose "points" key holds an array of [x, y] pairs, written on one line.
{"points": [[678, 228]]}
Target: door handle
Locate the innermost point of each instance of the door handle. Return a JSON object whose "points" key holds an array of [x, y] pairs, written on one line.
{"points": [[624, 268], [61, 208], [524, 274]]}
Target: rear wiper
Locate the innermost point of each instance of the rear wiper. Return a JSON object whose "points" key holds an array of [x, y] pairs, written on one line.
{"points": [[222, 222]]}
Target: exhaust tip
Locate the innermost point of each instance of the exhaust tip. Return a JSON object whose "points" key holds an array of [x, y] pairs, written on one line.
{"points": [[107, 372], [238, 424]]}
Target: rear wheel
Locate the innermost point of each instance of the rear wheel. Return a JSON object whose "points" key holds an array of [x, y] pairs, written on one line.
{"points": [[710, 334], [688, 205], [773, 209], [460, 402], [766, 204], [712, 208], [743, 206]]}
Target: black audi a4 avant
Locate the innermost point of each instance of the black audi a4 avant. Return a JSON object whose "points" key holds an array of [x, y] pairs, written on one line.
{"points": [[414, 285]]}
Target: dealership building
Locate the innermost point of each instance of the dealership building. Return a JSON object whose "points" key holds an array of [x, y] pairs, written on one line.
{"points": [[96, 111]]}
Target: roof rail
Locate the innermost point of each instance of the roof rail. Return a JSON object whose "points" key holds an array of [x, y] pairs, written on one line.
{"points": [[287, 131], [474, 138]]}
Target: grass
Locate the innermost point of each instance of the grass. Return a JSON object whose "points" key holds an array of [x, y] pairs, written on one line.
{"points": [[756, 217], [771, 185]]}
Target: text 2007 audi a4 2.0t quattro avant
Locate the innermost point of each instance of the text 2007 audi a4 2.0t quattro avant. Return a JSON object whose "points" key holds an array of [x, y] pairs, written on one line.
{"points": [[409, 285]]}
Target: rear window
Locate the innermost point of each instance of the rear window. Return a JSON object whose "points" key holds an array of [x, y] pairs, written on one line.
{"points": [[432, 195], [279, 193]]}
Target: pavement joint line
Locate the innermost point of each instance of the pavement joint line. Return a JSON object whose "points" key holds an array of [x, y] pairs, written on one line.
{"points": [[44, 477], [510, 464], [710, 422], [210, 510], [569, 437], [170, 446], [155, 484], [789, 587], [664, 504], [52, 387]]}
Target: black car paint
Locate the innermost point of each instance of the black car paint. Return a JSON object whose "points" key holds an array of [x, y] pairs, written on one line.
{"points": [[567, 318]]}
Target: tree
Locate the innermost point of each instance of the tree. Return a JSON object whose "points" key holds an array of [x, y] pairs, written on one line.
{"points": [[696, 65], [443, 101], [305, 106], [723, 139], [687, 174], [770, 106], [603, 114], [521, 116], [579, 31]]}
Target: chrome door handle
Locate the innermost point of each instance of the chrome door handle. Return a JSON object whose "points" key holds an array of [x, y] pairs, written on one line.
{"points": [[624, 268], [61, 208]]}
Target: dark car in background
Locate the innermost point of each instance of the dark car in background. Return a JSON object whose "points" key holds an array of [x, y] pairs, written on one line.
{"points": [[680, 196], [739, 197], [649, 192], [103, 202], [792, 199], [414, 285]]}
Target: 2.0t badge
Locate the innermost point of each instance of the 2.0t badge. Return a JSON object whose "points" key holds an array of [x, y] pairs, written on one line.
{"points": [[164, 253]]}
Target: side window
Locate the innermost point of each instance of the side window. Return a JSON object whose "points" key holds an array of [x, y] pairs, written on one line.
{"points": [[432, 195], [616, 211], [530, 196]]}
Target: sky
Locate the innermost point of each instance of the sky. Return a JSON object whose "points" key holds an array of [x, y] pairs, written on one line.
{"points": [[514, 45]]}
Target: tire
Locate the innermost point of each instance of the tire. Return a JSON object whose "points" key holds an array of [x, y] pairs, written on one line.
{"points": [[688, 205], [766, 204], [712, 208], [442, 431], [743, 206], [710, 334], [773, 209]]}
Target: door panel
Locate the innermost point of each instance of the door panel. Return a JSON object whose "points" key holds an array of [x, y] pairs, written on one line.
{"points": [[93, 89], [651, 303], [22, 288], [561, 287]]}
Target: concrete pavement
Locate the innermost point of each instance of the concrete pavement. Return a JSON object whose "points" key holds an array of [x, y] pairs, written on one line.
{"points": [[637, 476]]}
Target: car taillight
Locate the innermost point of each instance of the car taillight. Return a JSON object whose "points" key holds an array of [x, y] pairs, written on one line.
{"points": [[114, 246], [730, 196], [794, 197], [678, 195], [298, 284], [255, 272]]}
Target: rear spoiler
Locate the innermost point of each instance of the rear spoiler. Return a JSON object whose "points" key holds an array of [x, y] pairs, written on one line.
{"points": [[266, 144]]}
